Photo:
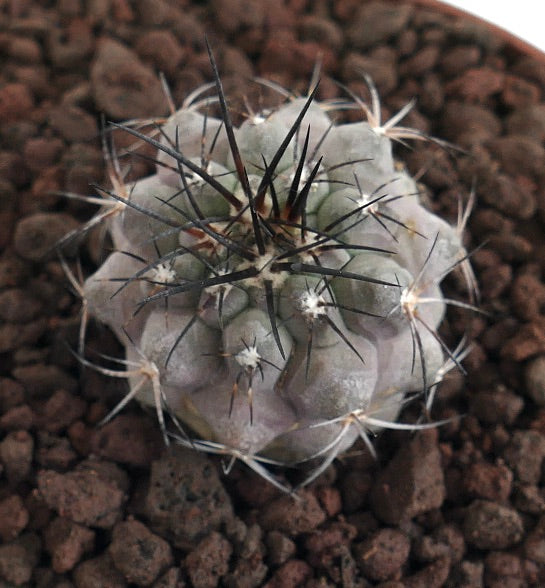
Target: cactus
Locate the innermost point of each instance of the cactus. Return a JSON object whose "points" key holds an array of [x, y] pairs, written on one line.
{"points": [[276, 285]]}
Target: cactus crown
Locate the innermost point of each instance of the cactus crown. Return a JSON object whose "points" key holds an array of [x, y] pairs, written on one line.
{"points": [[276, 285]]}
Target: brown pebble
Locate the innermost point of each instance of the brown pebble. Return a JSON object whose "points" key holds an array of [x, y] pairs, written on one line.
{"points": [[527, 296], [528, 342], [82, 496], [412, 482], [280, 547], [528, 121], [13, 517], [460, 118], [292, 516], [383, 554], [476, 84], [488, 481], [445, 541], [534, 376], [459, 58], [290, 575], [519, 93], [376, 22], [519, 155], [186, 498], [488, 525], [99, 571], [161, 49], [497, 406], [61, 409], [137, 553], [113, 64], [525, 453], [36, 235], [66, 542], [16, 453], [41, 152], [16, 102], [42, 379], [209, 561], [73, 123], [131, 439], [19, 558], [18, 418]]}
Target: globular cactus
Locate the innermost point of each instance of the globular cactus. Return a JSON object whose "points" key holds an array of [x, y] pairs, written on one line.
{"points": [[276, 285]]}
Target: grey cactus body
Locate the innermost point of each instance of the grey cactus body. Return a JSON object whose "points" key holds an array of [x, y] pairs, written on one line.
{"points": [[286, 315]]}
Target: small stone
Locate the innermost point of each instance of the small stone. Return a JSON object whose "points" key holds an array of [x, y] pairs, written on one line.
{"points": [[82, 496], [66, 542], [476, 84], [186, 500], [290, 575], [16, 103], [99, 571], [16, 453], [432, 576], [36, 235], [61, 409], [209, 561], [139, 554], [534, 375], [73, 123], [412, 483], [489, 481], [488, 525], [377, 22], [525, 453], [529, 121], [280, 547], [43, 380], [497, 406], [113, 65], [13, 517], [383, 554], [293, 516], [19, 558]]}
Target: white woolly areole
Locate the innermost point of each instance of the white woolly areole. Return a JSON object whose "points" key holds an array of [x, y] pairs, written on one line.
{"points": [[248, 358], [163, 274], [312, 305]]}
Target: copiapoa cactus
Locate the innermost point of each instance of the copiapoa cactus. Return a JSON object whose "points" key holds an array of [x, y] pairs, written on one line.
{"points": [[276, 285]]}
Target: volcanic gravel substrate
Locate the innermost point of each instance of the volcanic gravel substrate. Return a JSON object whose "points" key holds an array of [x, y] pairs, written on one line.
{"points": [[459, 506]]}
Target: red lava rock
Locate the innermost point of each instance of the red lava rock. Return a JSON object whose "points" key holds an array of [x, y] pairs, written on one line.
{"points": [[423, 60], [461, 119], [459, 58], [489, 481], [36, 235], [61, 409], [16, 102], [519, 93], [534, 376], [528, 296], [527, 343], [445, 541], [99, 571], [330, 500], [66, 542], [71, 46], [161, 49], [113, 65], [18, 305], [16, 452], [383, 554], [280, 548], [131, 439], [477, 84], [42, 380], [488, 525], [209, 561], [82, 496], [529, 121], [432, 576], [376, 22], [525, 453], [497, 406], [18, 418], [186, 500], [40, 152], [290, 575], [13, 517], [73, 123], [12, 394], [508, 196], [379, 65], [519, 155], [355, 486], [321, 30], [412, 483], [19, 558], [292, 516], [137, 553]]}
